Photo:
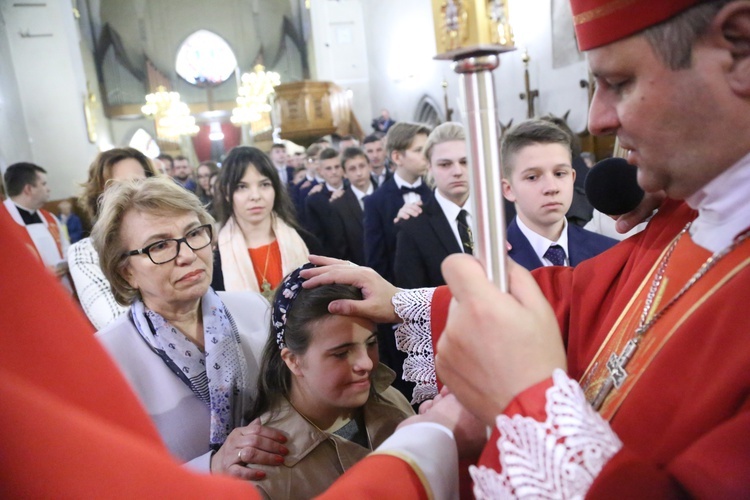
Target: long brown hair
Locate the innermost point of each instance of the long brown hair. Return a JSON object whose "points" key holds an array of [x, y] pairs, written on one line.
{"points": [[233, 170]]}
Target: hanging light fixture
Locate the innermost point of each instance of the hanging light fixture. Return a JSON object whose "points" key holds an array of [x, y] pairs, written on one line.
{"points": [[171, 115], [253, 99], [215, 133]]}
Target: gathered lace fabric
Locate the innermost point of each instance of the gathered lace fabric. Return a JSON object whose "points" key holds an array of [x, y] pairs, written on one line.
{"points": [[414, 337], [557, 458]]}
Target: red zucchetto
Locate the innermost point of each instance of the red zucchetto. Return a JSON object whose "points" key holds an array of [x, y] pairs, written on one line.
{"points": [[599, 22]]}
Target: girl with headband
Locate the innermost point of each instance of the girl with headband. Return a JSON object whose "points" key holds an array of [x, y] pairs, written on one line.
{"points": [[322, 385]]}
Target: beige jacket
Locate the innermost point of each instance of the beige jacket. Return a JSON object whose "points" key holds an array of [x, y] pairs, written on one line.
{"points": [[317, 458]]}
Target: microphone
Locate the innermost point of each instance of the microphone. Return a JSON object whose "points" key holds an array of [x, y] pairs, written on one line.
{"points": [[612, 186]]}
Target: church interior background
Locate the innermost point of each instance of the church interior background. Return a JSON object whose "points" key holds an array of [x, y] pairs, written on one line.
{"points": [[74, 74]]}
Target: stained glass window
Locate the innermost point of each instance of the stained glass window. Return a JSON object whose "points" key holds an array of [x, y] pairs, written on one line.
{"points": [[204, 58]]}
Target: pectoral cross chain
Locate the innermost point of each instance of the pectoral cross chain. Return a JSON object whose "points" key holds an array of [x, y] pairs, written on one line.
{"points": [[617, 373]]}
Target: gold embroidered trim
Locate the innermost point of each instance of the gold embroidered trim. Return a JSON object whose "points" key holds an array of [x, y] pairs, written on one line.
{"points": [[601, 11], [678, 322]]}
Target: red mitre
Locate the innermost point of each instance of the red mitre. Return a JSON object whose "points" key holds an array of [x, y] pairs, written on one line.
{"points": [[599, 22]]}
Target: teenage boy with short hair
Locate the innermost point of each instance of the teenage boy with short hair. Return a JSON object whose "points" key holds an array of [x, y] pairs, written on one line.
{"points": [[279, 158], [404, 144], [348, 209], [538, 177], [443, 228], [374, 147], [317, 207]]}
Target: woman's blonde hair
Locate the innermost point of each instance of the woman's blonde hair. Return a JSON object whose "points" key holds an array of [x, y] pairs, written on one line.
{"points": [[153, 196]]}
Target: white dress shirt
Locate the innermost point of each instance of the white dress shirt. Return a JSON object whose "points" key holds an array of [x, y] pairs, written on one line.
{"points": [[282, 174], [408, 197], [361, 195], [451, 211], [540, 244]]}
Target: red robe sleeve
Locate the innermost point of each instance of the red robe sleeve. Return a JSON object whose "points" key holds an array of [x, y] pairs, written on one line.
{"points": [[378, 476], [71, 426], [441, 299]]}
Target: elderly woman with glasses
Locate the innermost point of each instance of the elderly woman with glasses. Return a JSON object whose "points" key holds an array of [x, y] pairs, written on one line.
{"points": [[191, 355]]}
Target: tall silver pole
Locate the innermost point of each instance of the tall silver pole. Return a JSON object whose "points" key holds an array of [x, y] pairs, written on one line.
{"points": [[479, 114]]}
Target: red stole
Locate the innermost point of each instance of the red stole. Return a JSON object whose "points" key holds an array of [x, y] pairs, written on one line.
{"points": [[684, 262], [54, 230]]}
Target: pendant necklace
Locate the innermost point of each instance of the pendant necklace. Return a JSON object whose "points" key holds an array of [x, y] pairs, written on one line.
{"points": [[617, 363], [265, 287]]}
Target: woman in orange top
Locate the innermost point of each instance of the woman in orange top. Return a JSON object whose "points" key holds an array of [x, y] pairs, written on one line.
{"points": [[260, 241]]}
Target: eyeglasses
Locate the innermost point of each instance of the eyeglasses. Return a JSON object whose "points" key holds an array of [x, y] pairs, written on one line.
{"points": [[164, 251]]}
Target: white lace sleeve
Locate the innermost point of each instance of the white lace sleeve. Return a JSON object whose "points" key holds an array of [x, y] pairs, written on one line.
{"points": [[414, 337], [557, 458]]}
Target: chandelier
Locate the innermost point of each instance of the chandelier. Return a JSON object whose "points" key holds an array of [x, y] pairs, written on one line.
{"points": [[171, 115], [253, 106]]}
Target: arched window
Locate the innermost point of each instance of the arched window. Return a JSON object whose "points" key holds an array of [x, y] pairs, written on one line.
{"points": [[428, 112], [145, 143], [205, 59]]}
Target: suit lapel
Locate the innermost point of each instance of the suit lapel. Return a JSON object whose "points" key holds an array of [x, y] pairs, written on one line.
{"points": [[393, 195], [442, 227], [352, 206], [521, 251]]}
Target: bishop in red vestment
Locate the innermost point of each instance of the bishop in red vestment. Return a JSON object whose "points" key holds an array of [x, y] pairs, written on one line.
{"points": [[646, 392]]}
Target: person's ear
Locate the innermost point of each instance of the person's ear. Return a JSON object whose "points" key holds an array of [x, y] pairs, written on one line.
{"points": [[396, 156], [508, 191], [127, 274], [733, 22], [293, 362], [573, 171]]}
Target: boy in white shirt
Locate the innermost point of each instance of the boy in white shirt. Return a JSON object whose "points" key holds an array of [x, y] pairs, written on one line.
{"points": [[538, 178]]}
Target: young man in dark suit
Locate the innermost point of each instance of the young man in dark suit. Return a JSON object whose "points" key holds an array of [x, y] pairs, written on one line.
{"points": [[443, 227], [539, 179], [374, 147], [312, 179], [348, 208], [279, 159], [404, 143], [318, 211]]}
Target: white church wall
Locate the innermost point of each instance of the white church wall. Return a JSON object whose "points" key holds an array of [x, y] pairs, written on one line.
{"points": [[51, 90], [401, 45], [340, 51], [14, 144]]}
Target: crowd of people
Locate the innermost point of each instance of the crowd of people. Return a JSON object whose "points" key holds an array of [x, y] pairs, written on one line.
{"points": [[279, 318]]}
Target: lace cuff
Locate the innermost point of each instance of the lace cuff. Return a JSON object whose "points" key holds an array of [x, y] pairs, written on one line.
{"points": [[414, 337], [557, 458]]}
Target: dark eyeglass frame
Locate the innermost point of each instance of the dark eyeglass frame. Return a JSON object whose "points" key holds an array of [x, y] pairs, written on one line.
{"points": [[147, 249]]}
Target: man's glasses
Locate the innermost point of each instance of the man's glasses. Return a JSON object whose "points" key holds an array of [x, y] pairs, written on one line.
{"points": [[164, 251]]}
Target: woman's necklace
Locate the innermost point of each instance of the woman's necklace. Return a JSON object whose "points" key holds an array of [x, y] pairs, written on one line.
{"points": [[265, 287], [617, 363]]}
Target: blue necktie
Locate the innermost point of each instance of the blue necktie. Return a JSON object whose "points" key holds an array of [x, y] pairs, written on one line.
{"points": [[556, 255], [407, 189]]}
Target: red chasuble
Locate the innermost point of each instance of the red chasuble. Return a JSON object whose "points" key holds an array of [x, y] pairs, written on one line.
{"points": [[70, 425], [683, 414]]}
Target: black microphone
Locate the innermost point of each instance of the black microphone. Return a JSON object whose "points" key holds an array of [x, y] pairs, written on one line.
{"points": [[612, 186]]}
